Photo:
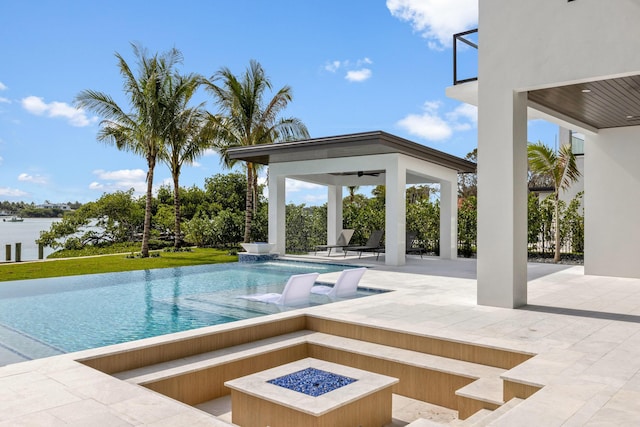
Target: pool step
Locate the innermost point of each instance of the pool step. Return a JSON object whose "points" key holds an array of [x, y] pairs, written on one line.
{"points": [[24, 346], [485, 418]]}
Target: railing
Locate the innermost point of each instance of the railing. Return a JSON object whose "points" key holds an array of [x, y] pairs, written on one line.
{"points": [[468, 64]]}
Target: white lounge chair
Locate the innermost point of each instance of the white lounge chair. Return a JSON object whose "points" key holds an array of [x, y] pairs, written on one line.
{"points": [[296, 291], [346, 285]]}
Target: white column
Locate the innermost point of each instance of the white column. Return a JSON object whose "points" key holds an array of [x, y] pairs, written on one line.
{"points": [[395, 213], [277, 212], [334, 213], [448, 220], [502, 197]]}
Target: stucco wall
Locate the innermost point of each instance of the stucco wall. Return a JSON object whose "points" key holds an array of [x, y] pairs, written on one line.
{"points": [[612, 222], [540, 43], [526, 45]]}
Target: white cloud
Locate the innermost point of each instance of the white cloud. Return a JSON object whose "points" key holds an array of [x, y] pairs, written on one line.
{"points": [[434, 126], [358, 75], [355, 71], [332, 66], [76, 116], [36, 179], [315, 199], [3, 86], [465, 112], [12, 192], [120, 180], [1, 159], [436, 20], [4, 100], [293, 185]]}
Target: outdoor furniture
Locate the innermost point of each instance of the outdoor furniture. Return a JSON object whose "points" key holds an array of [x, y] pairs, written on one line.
{"points": [[413, 246], [296, 291], [346, 285], [372, 245], [343, 241]]}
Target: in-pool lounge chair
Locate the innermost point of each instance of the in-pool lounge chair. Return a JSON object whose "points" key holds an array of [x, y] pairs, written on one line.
{"points": [[295, 292], [342, 242], [345, 286], [372, 245]]}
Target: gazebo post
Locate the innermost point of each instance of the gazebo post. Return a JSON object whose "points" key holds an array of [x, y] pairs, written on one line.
{"points": [[448, 219], [277, 211], [334, 213], [396, 214]]}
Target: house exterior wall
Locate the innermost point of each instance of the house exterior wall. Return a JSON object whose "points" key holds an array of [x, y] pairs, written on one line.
{"points": [[527, 45], [544, 43], [612, 181]]}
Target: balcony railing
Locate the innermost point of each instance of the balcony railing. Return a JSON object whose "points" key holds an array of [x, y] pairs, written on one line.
{"points": [[465, 60]]}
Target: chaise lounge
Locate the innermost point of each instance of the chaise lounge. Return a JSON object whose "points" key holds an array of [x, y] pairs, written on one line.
{"points": [[372, 245], [343, 241]]}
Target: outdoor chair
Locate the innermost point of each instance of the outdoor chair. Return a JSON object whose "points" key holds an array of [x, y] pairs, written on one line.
{"points": [[345, 286], [296, 291], [342, 242], [413, 246], [372, 245]]}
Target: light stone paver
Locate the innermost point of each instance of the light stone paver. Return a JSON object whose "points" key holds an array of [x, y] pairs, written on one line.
{"points": [[585, 331]]}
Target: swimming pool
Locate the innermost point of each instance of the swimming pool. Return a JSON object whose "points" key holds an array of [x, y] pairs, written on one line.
{"points": [[44, 317]]}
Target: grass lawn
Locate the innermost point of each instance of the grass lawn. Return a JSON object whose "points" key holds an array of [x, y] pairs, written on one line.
{"points": [[110, 264]]}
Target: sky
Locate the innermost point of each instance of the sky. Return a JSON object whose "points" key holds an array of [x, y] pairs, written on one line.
{"points": [[353, 66]]}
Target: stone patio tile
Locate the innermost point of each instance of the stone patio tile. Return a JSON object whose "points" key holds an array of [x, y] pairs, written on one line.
{"points": [[37, 419], [191, 419], [77, 411], [607, 417], [109, 391], [146, 408]]}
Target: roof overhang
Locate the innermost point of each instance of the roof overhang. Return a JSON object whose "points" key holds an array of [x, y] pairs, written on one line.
{"points": [[586, 106], [344, 146]]}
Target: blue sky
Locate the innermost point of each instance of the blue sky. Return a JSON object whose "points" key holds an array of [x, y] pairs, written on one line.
{"points": [[354, 66]]}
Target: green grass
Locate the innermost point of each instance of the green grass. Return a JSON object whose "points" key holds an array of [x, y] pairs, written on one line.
{"points": [[110, 264]]}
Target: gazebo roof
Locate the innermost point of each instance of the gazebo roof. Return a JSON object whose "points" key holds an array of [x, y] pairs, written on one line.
{"points": [[352, 145]]}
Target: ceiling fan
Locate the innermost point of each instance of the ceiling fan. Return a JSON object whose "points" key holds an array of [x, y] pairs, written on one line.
{"points": [[361, 173]]}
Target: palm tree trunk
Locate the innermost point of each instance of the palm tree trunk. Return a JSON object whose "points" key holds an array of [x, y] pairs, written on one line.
{"points": [[146, 231], [556, 257], [248, 214], [177, 234]]}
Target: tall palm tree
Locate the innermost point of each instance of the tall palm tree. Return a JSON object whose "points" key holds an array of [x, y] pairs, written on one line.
{"points": [[562, 170], [245, 120], [187, 137], [143, 129]]}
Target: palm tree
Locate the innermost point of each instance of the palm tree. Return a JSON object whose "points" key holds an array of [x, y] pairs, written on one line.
{"points": [[186, 136], [245, 120], [143, 130], [561, 169]]}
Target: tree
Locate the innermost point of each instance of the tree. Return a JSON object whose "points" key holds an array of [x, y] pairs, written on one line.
{"points": [[186, 138], [562, 170], [142, 131], [245, 120], [468, 182]]}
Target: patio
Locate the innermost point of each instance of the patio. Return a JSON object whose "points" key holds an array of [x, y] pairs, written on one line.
{"points": [[584, 331]]}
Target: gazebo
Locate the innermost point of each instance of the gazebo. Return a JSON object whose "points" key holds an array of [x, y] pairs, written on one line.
{"points": [[361, 159]]}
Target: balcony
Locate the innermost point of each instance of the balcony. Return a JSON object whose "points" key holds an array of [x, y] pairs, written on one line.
{"points": [[465, 57]]}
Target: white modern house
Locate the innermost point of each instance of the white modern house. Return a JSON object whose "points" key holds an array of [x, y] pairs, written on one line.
{"points": [[575, 63]]}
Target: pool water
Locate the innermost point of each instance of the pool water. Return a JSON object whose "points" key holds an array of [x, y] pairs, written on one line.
{"points": [[51, 316]]}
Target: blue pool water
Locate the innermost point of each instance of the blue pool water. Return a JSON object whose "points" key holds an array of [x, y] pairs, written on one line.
{"points": [[59, 315]]}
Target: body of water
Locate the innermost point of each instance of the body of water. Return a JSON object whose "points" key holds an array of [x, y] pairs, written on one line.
{"points": [[25, 232]]}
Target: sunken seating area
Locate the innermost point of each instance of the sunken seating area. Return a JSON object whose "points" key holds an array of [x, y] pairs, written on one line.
{"points": [[461, 376]]}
